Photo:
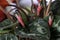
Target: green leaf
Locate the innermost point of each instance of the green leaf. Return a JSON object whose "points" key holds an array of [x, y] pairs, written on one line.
{"points": [[8, 37]]}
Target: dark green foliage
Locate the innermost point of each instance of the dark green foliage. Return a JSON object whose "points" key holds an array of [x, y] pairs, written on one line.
{"points": [[5, 23], [55, 7], [40, 28], [55, 30], [8, 37]]}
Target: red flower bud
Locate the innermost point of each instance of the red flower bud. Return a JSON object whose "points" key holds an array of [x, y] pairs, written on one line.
{"points": [[19, 18], [50, 21], [39, 8]]}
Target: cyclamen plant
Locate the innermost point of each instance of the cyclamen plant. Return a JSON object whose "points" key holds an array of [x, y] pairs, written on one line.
{"points": [[22, 27]]}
